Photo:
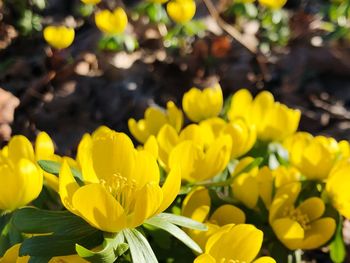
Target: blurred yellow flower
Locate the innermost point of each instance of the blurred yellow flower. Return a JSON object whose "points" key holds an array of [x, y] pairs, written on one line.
{"points": [[91, 2], [273, 4], [301, 227], [121, 187], [158, 1], [337, 187], [154, 120], [200, 105], [111, 22], [274, 121], [313, 156], [181, 11], [197, 205], [21, 178], [234, 243], [59, 36], [11, 256]]}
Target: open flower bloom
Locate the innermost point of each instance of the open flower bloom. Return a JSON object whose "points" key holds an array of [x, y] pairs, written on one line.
{"points": [[273, 4], [234, 243], [181, 11], [11, 256], [91, 2], [197, 207], [111, 22], [301, 227], [313, 156], [59, 36], [337, 187], [203, 104], [121, 184], [21, 179], [154, 120], [274, 121]]}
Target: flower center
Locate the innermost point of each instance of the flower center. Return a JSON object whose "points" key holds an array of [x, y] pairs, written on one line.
{"points": [[297, 215], [122, 189]]}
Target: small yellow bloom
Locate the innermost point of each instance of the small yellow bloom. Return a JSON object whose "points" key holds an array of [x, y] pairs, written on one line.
{"points": [[313, 156], [337, 187], [91, 2], [112, 22], [234, 243], [197, 206], [274, 121], [181, 11], [273, 4], [121, 187], [154, 120], [11, 256], [59, 37], [21, 178], [301, 227], [200, 105], [158, 1], [200, 163]]}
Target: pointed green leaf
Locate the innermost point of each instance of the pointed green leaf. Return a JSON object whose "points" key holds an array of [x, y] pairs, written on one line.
{"points": [[113, 247], [54, 168], [175, 231], [182, 221], [141, 251]]}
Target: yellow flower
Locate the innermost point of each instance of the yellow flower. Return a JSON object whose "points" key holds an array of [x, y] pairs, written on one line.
{"points": [[313, 156], [11, 256], [122, 190], [198, 164], [158, 1], [301, 227], [274, 121], [154, 120], [59, 36], [197, 205], [21, 179], [273, 4], [234, 243], [112, 22], [91, 2], [337, 187], [200, 105], [181, 11]]}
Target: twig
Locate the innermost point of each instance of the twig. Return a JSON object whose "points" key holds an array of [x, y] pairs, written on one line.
{"points": [[229, 29]]}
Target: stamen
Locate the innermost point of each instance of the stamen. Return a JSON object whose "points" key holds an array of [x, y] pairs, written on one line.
{"points": [[296, 215]]}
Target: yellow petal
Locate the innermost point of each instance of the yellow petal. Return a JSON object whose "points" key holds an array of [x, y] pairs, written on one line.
{"points": [[181, 11], [20, 147], [146, 170], [228, 214], [240, 104], [91, 2], [113, 154], [246, 189], [102, 211], [139, 130], [44, 147], [273, 4], [67, 187], [196, 205], [59, 37], [151, 146], [319, 233], [170, 188], [313, 207], [175, 116], [84, 158], [204, 258], [167, 139], [264, 260], [11, 256], [289, 232], [111, 22]]}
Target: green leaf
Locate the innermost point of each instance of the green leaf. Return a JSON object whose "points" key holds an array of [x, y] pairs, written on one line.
{"points": [[337, 247], [54, 168], [9, 234], [113, 247], [35, 221], [141, 251], [175, 231], [58, 245], [182, 221]]}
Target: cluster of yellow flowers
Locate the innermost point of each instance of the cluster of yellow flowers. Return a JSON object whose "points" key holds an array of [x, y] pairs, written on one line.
{"points": [[114, 22], [237, 171]]}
